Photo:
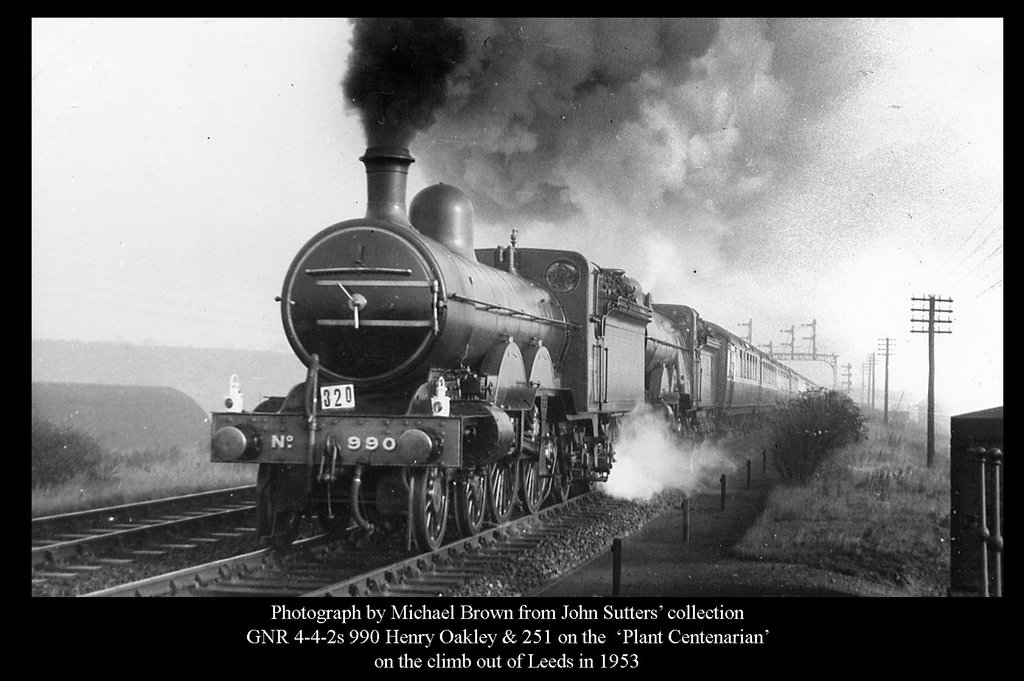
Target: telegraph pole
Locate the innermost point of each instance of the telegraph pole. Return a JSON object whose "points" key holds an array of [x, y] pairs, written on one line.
{"points": [[931, 330], [888, 351], [871, 380], [863, 391], [769, 346], [750, 329], [813, 337], [849, 378]]}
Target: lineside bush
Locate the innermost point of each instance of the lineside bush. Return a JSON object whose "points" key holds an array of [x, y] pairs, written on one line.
{"points": [[810, 428], [62, 453]]}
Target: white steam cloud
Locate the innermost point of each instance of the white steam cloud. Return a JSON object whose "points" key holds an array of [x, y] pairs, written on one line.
{"points": [[650, 459]]}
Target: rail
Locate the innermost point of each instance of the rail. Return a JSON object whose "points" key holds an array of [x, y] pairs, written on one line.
{"points": [[422, 575], [59, 537], [139, 505]]}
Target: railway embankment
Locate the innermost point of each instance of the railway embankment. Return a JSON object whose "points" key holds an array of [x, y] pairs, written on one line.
{"points": [[872, 520]]}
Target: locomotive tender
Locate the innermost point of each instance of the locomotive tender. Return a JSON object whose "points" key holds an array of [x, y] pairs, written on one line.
{"points": [[440, 375]]}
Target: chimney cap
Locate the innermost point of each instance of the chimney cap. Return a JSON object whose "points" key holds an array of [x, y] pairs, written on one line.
{"points": [[393, 152]]}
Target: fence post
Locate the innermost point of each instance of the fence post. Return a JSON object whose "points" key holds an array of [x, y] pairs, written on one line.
{"points": [[722, 480], [748, 473], [764, 462], [616, 565], [686, 520]]}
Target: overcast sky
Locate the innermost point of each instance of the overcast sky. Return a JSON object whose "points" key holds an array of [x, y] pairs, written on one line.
{"points": [[773, 170]]}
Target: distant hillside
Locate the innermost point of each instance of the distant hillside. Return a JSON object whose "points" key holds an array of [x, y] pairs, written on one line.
{"points": [[200, 373], [124, 418]]}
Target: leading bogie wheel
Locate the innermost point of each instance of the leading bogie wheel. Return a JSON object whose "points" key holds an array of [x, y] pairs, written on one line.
{"points": [[275, 528], [430, 507], [285, 529]]}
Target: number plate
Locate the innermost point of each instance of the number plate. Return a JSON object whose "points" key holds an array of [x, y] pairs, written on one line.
{"points": [[341, 396]]}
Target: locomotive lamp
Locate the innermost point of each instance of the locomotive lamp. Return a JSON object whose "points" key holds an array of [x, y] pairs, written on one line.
{"points": [[440, 403], [233, 400]]}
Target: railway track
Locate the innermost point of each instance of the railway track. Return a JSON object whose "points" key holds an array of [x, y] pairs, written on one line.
{"points": [[68, 545], [323, 566], [318, 567], [455, 565]]}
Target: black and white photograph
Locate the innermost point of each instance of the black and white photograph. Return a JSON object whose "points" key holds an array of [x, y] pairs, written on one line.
{"points": [[557, 319]]}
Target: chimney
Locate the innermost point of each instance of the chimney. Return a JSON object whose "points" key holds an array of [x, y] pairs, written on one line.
{"points": [[387, 169]]}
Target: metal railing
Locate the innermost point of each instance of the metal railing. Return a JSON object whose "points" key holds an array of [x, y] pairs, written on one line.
{"points": [[991, 537], [976, 504]]}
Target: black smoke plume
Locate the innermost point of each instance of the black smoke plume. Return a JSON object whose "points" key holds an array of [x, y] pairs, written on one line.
{"points": [[544, 113], [397, 74], [662, 128]]}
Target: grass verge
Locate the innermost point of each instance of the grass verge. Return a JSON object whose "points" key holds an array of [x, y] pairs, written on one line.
{"points": [[131, 477], [71, 471], [873, 510]]}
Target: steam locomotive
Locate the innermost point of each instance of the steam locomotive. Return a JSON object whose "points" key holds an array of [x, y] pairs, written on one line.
{"points": [[445, 380]]}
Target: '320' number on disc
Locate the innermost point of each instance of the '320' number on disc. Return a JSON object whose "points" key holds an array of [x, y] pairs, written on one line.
{"points": [[342, 396]]}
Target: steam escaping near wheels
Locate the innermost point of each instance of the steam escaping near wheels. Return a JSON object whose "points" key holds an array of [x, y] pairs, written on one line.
{"points": [[650, 458]]}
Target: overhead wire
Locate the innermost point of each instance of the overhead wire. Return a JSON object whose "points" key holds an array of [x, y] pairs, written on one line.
{"points": [[970, 285], [966, 276], [986, 291], [952, 255], [976, 249]]}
